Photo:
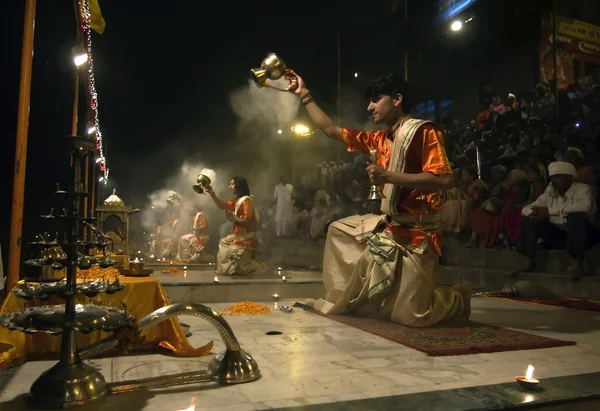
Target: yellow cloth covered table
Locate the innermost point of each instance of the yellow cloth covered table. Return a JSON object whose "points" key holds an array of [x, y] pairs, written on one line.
{"points": [[141, 296]]}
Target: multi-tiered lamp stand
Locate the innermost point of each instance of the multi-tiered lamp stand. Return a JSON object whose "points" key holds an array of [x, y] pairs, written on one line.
{"points": [[71, 382]]}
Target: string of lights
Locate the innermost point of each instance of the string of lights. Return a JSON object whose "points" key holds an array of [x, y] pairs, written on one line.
{"points": [[87, 31]]}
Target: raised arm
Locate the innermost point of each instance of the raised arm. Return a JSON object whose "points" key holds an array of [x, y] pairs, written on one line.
{"points": [[218, 202], [318, 116]]}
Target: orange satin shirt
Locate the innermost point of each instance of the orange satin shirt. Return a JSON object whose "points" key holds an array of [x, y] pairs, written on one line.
{"points": [[246, 211], [425, 154]]}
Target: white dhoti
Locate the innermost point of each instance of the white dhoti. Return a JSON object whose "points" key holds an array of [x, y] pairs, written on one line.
{"points": [[236, 256], [372, 272]]}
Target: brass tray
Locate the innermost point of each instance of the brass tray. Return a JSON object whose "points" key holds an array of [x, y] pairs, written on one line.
{"points": [[127, 273]]}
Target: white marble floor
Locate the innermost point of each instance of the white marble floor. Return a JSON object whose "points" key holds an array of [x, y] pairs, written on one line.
{"points": [[316, 360]]}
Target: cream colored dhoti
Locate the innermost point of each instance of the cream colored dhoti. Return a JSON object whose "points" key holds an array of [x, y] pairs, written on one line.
{"points": [[189, 252], [236, 256], [366, 270]]}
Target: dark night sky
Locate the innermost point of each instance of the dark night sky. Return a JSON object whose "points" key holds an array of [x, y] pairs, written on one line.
{"points": [[164, 74]]}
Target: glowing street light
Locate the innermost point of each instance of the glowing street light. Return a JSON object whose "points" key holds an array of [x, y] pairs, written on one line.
{"points": [[301, 130], [80, 59], [457, 25]]}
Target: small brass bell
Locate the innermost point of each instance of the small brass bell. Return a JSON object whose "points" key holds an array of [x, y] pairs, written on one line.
{"points": [[375, 193]]}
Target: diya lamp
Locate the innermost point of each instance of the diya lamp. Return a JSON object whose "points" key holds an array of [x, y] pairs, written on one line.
{"points": [[527, 381], [271, 68], [283, 278], [136, 266], [216, 280]]}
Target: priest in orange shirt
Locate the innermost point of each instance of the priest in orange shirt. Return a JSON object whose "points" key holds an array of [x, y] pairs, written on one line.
{"points": [[236, 251], [387, 264]]}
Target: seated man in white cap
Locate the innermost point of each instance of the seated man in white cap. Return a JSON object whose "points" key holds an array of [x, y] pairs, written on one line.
{"points": [[561, 217], [193, 248]]}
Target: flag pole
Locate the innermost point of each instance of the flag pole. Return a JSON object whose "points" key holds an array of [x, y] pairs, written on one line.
{"points": [[18, 197]]}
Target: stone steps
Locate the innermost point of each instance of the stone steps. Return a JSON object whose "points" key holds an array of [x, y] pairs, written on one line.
{"points": [[534, 284], [199, 286]]}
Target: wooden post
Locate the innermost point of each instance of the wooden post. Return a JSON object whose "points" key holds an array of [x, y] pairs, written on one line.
{"points": [[16, 218]]}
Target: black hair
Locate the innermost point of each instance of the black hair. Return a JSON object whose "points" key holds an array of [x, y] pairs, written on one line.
{"points": [[390, 85], [471, 170], [241, 186]]}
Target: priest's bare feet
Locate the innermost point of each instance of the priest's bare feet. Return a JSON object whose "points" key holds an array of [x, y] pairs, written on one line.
{"points": [[465, 292]]}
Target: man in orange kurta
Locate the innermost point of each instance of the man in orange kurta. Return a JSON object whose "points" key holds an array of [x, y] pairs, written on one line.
{"points": [[387, 264]]}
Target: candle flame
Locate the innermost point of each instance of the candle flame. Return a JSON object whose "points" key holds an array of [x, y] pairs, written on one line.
{"points": [[136, 260], [185, 267], [283, 278], [275, 295], [530, 370], [216, 279]]}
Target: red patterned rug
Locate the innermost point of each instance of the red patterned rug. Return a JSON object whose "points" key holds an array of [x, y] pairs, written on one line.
{"points": [[583, 305], [458, 337]]}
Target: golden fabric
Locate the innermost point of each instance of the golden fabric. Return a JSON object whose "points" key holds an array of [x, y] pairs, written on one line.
{"points": [[246, 212], [141, 296], [425, 154]]}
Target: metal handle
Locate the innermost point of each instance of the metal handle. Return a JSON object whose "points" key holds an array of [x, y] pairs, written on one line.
{"points": [[162, 314]]}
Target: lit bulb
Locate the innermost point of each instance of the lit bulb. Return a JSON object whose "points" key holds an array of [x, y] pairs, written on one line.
{"points": [[456, 26], [91, 129], [98, 160], [80, 59], [355, 75]]}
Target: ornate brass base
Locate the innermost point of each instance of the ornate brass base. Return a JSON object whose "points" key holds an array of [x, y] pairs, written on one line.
{"points": [[233, 367], [65, 386]]}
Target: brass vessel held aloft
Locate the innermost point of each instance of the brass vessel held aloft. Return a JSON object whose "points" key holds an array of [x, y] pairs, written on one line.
{"points": [[271, 68], [375, 193], [202, 182]]}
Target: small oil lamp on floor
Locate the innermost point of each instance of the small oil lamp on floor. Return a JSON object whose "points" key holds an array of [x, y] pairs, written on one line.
{"points": [[528, 382], [216, 280]]}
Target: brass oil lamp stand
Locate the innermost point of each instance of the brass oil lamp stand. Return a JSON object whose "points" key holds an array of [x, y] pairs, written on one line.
{"points": [[71, 382]]}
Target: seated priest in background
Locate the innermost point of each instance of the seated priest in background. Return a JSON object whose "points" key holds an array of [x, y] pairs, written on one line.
{"points": [[193, 248], [562, 217], [236, 251]]}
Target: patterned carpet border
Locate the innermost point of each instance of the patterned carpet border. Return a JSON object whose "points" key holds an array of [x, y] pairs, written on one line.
{"points": [[450, 338], [570, 303]]}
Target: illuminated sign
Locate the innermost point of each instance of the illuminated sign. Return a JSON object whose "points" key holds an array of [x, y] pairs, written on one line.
{"points": [[448, 9]]}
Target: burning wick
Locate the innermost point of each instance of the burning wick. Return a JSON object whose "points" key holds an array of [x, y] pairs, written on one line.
{"points": [[216, 280], [171, 263], [283, 278], [136, 260], [185, 267], [528, 382], [279, 273], [276, 296], [529, 373]]}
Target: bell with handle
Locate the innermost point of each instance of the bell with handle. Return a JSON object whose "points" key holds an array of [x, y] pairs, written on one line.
{"points": [[375, 193]]}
